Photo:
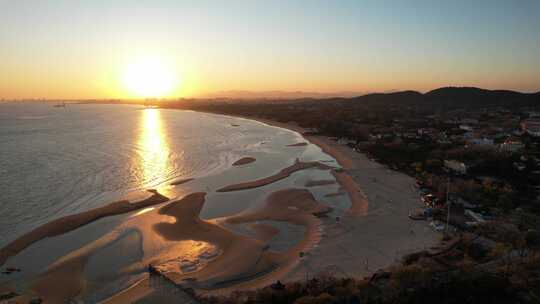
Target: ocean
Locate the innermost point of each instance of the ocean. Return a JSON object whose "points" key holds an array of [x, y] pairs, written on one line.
{"points": [[58, 161]]}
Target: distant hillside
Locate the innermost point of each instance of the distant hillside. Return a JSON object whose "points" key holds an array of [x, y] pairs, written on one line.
{"points": [[446, 97], [401, 97], [453, 96], [254, 95]]}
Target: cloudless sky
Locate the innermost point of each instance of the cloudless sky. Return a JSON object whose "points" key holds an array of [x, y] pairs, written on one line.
{"points": [[79, 49]]}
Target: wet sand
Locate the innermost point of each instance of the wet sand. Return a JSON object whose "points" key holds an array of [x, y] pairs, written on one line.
{"points": [[136, 292], [243, 262], [377, 231], [300, 144], [334, 194], [295, 206], [316, 183], [284, 173], [181, 181], [61, 282], [241, 258], [72, 222], [244, 161], [289, 205], [359, 202], [264, 232], [65, 279]]}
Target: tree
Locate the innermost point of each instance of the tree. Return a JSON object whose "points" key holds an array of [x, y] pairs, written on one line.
{"points": [[505, 202], [532, 240], [433, 165]]}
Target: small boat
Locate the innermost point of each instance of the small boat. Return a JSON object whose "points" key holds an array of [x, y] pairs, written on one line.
{"points": [[60, 105]]}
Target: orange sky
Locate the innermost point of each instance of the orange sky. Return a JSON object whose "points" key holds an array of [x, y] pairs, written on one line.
{"points": [[59, 49]]}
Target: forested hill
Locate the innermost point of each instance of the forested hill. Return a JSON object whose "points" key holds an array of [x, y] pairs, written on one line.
{"points": [[454, 96]]}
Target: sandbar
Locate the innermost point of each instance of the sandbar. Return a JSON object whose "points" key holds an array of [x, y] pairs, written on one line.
{"points": [[300, 144], [284, 173], [72, 222], [242, 258], [244, 161], [181, 181], [316, 183], [359, 202]]}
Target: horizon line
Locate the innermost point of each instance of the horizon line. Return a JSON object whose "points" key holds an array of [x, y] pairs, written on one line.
{"points": [[329, 95]]}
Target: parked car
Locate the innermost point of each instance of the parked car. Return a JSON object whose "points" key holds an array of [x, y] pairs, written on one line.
{"points": [[437, 225]]}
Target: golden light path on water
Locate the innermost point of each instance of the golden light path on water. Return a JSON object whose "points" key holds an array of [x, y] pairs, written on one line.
{"points": [[153, 147]]}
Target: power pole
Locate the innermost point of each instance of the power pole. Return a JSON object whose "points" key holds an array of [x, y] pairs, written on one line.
{"points": [[448, 207]]}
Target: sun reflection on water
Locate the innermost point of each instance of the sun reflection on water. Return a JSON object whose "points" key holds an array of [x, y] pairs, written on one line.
{"points": [[153, 147]]}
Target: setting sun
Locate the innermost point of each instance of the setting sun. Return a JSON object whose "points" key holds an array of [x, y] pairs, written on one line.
{"points": [[149, 78]]}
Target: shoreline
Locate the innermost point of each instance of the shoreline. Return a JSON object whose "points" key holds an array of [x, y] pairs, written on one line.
{"points": [[342, 157], [380, 202], [358, 199], [362, 231]]}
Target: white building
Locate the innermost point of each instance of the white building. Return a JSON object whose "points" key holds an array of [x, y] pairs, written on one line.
{"points": [[466, 128], [531, 127], [456, 166]]}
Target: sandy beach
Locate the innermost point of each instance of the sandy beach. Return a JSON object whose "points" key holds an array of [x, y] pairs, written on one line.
{"points": [[238, 251], [377, 231]]}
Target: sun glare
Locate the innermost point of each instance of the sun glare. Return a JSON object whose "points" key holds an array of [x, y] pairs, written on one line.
{"points": [[149, 78]]}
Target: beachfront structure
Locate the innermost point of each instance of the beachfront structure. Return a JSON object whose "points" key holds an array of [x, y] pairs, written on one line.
{"points": [[466, 128], [346, 141], [532, 114], [519, 166], [468, 135], [475, 216], [511, 146], [484, 142], [456, 166], [531, 126]]}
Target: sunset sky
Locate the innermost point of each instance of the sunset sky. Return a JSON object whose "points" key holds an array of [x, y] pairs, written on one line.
{"points": [[113, 49]]}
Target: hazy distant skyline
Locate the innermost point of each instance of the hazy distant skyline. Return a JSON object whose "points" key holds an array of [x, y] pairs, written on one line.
{"points": [[79, 49]]}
